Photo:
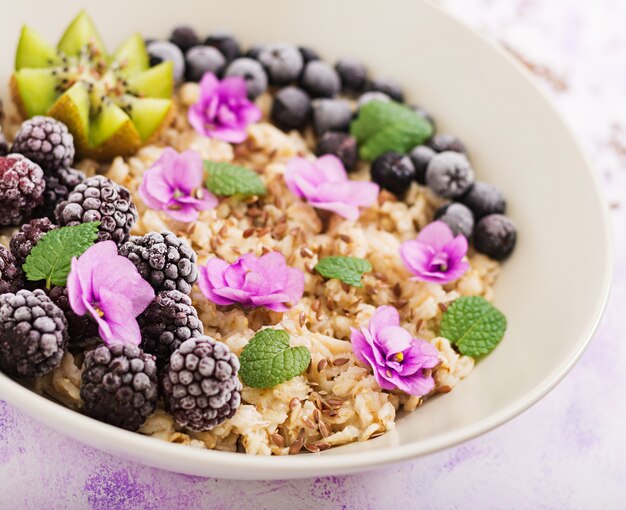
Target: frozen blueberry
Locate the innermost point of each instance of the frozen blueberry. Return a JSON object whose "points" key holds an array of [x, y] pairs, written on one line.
{"points": [[458, 217], [394, 172], [368, 97], [319, 79], [184, 37], [308, 54], [495, 235], [203, 59], [226, 43], [253, 74], [340, 144], [426, 114], [449, 174], [389, 87], [484, 199], [445, 142], [291, 108], [352, 73], [160, 51], [421, 156], [331, 115], [254, 51], [282, 61]]}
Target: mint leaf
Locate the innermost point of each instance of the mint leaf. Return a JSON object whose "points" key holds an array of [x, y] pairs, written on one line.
{"points": [[388, 126], [268, 360], [348, 269], [473, 325], [227, 179], [51, 258]]}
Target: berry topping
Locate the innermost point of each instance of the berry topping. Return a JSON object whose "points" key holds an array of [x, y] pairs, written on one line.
{"points": [[81, 329], [4, 146], [495, 235], [47, 142], [27, 236], [203, 59], [352, 73], [389, 87], [11, 275], [308, 54], [442, 143], [33, 334], [394, 172], [340, 144], [200, 384], [319, 79], [253, 74], [421, 156], [372, 96], [291, 108], [484, 199], [449, 174], [282, 61], [331, 115], [163, 260], [458, 217], [58, 188], [226, 43], [119, 385], [21, 188], [184, 37], [165, 51]]}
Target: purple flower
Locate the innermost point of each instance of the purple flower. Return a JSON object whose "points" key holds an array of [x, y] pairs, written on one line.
{"points": [[324, 184], [174, 184], [223, 110], [109, 288], [436, 256], [397, 359], [253, 281]]}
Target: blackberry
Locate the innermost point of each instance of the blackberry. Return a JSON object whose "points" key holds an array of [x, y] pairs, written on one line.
{"points": [[4, 146], [11, 275], [291, 108], [342, 145], [58, 188], [21, 189], [200, 384], [353, 74], [99, 199], [47, 142], [119, 385], [163, 260], [28, 236], [495, 236], [33, 334], [394, 172], [167, 322], [80, 328]]}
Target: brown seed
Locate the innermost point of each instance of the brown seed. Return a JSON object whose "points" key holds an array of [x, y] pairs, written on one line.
{"points": [[323, 446], [235, 250], [443, 307], [223, 231], [264, 231], [330, 304], [309, 267], [313, 384], [321, 365], [308, 368], [248, 232], [444, 388], [324, 430], [293, 403], [316, 305], [296, 447], [426, 372], [397, 290], [419, 325], [237, 214], [333, 402], [213, 243], [345, 287], [340, 361], [295, 231], [316, 414], [278, 202], [345, 238], [323, 392], [308, 422], [312, 448], [278, 440], [306, 252], [329, 412], [279, 230], [318, 400], [376, 434], [265, 250], [380, 276], [302, 319], [254, 212], [401, 303]]}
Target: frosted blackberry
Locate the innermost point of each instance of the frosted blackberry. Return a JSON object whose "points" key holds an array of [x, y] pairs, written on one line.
{"points": [[21, 189], [33, 334], [47, 142], [200, 384], [28, 236], [99, 199], [119, 385], [449, 174], [167, 322], [163, 260], [58, 188], [11, 275], [81, 329]]}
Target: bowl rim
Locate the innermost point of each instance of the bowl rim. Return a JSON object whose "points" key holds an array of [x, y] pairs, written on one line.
{"points": [[152, 451]]}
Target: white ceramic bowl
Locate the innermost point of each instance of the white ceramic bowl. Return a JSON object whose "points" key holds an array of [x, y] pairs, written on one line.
{"points": [[554, 288]]}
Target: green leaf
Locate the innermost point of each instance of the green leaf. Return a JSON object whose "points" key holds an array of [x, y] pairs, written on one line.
{"points": [[51, 258], [348, 269], [388, 126], [473, 325], [268, 360], [227, 179]]}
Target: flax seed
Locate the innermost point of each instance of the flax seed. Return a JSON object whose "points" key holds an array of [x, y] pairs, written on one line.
{"points": [[316, 414], [321, 365], [247, 233], [293, 403], [323, 446], [263, 231], [345, 287], [397, 290], [443, 307], [278, 440], [419, 325], [278, 202], [265, 250], [309, 267], [427, 372], [444, 389], [280, 229], [380, 276], [308, 368], [324, 430], [213, 243], [306, 252], [223, 231], [329, 412], [333, 402], [296, 447], [308, 422], [237, 214], [401, 303], [345, 238], [313, 448], [302, 319], [254, 212], [316, 305], [340, 361]]}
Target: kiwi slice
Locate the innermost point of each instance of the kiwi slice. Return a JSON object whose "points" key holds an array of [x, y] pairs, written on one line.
{"points": [[111, 104]]}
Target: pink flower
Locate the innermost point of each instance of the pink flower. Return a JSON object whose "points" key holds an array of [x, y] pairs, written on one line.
{"points": [[174, 184], [109, 288], [324, 184], [253, 281], [223, 110], [397, 359], [436, 256]]}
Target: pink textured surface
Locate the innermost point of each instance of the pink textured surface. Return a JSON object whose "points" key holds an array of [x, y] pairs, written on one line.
{"points": [[565, 452]]}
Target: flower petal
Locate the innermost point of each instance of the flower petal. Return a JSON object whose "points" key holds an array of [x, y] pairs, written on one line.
{"points": [[331, 168], [436, 235], [383, 317]]}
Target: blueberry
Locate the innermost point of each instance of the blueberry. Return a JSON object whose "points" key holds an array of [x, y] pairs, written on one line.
{"points": [[426, 114], [282, 61], [291, 108], [203, 59], [495, 235], [352, 73], [368, 97], [226, 43], [442, 143], [458, 217], [184, 37], [308, 54], [319, 79], [160, 51], [420, 157], [340, 144], [389, 87], [484, 199], [331, 115], [394, 172], [449, 174], [253, 74], [254, 51]]}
